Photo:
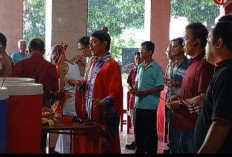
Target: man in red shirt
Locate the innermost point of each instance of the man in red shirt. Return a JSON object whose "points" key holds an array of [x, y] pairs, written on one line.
{"points": [[42, 71], [194, 85], [38, 68]]}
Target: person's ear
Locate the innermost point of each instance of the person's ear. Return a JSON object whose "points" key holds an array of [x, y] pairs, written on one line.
{"points": [[29, 49], [219, 43], [197, 43], [104, 43]]}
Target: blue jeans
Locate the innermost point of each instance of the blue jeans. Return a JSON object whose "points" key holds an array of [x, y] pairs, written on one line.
{"points": [[173, 134], [186, 142]]}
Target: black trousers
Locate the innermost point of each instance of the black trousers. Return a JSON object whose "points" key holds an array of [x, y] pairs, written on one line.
{"points": [[146, 132], [43, 140]]}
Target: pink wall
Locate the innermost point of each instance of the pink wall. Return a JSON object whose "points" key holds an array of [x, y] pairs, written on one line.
{"points": [[160, 21], [11, 25]]}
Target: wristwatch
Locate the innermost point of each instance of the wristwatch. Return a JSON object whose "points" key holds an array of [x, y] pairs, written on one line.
{"points": [[181, 105]]}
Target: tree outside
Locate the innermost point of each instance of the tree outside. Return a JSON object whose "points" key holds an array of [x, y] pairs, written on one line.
{"points": [[118, 16], [34, 19], [204, 11]]}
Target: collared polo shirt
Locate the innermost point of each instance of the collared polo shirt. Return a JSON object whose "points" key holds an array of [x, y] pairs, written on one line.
{"points": [[195, 81], [178, 73], [148, 78], [17, 56], [217, 105]]}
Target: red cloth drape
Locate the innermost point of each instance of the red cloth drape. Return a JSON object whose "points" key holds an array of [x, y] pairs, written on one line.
{"points": [[161, 114]]}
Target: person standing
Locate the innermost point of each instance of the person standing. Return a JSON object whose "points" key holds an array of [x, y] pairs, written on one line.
{"points": [[131, 82], [42, 71], [38, 68], [103, 89], [22, 53], [194, 85], [6, 62], [213, 131], [80, 59], [167, 77], [83, 47], [66, 70], [174, 85], [149, 84]]}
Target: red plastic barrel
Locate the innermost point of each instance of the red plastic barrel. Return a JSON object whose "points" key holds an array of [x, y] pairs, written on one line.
{"points": [[24, 118]]}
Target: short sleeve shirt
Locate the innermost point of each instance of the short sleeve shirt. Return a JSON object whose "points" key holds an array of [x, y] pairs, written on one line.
{"points": [[178, 74], [42, 71], [17, 56], [148, 78], [217, 105], [196, 80]]}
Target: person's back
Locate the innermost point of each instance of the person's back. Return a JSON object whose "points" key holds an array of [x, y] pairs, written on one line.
{"points": [[22, 53], [38, 68]]}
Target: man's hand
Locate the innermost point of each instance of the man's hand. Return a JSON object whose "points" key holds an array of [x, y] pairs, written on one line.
{"points": [[195, 108], [174, 106], [98, 103], [73, 82], [172, 98]]}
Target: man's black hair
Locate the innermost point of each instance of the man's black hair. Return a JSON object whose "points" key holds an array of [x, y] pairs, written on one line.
{"points": [[37, 44], [199, 31], [102, 35], [223, 30], [3, 39], [150, 45], [84, 41]]}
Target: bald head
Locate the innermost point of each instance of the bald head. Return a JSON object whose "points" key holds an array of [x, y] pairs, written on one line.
{"points": [[37, 45]]}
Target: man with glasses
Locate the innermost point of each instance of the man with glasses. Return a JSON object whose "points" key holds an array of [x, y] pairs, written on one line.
{"points": [[149, 83], [80, 59]]}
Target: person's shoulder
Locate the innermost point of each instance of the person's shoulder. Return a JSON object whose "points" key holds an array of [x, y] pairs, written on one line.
{"points": [[205, 63], [14, 54], [155, 64]]}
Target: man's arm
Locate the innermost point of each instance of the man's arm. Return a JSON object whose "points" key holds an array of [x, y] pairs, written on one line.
{"points": [[149, 91], [215, 137]]}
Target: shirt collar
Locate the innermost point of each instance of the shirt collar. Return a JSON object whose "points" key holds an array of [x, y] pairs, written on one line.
{"points": [[36, 55], [224, 62], [198, 57], [107, 54]]}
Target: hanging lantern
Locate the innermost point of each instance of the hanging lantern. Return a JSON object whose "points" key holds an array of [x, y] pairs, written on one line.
{"points": [[220, 2]]}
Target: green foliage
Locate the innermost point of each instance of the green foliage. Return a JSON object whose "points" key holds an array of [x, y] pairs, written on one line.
{"points": [[117, 44], [117, 15], [195, 10], [34, 19]]}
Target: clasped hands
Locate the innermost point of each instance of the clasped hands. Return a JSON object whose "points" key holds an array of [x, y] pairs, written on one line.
{"points": [[173, 104], [73, 82], [169, 82]]}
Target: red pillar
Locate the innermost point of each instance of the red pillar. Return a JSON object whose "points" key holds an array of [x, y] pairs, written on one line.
{"points": [[160, 21]]}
